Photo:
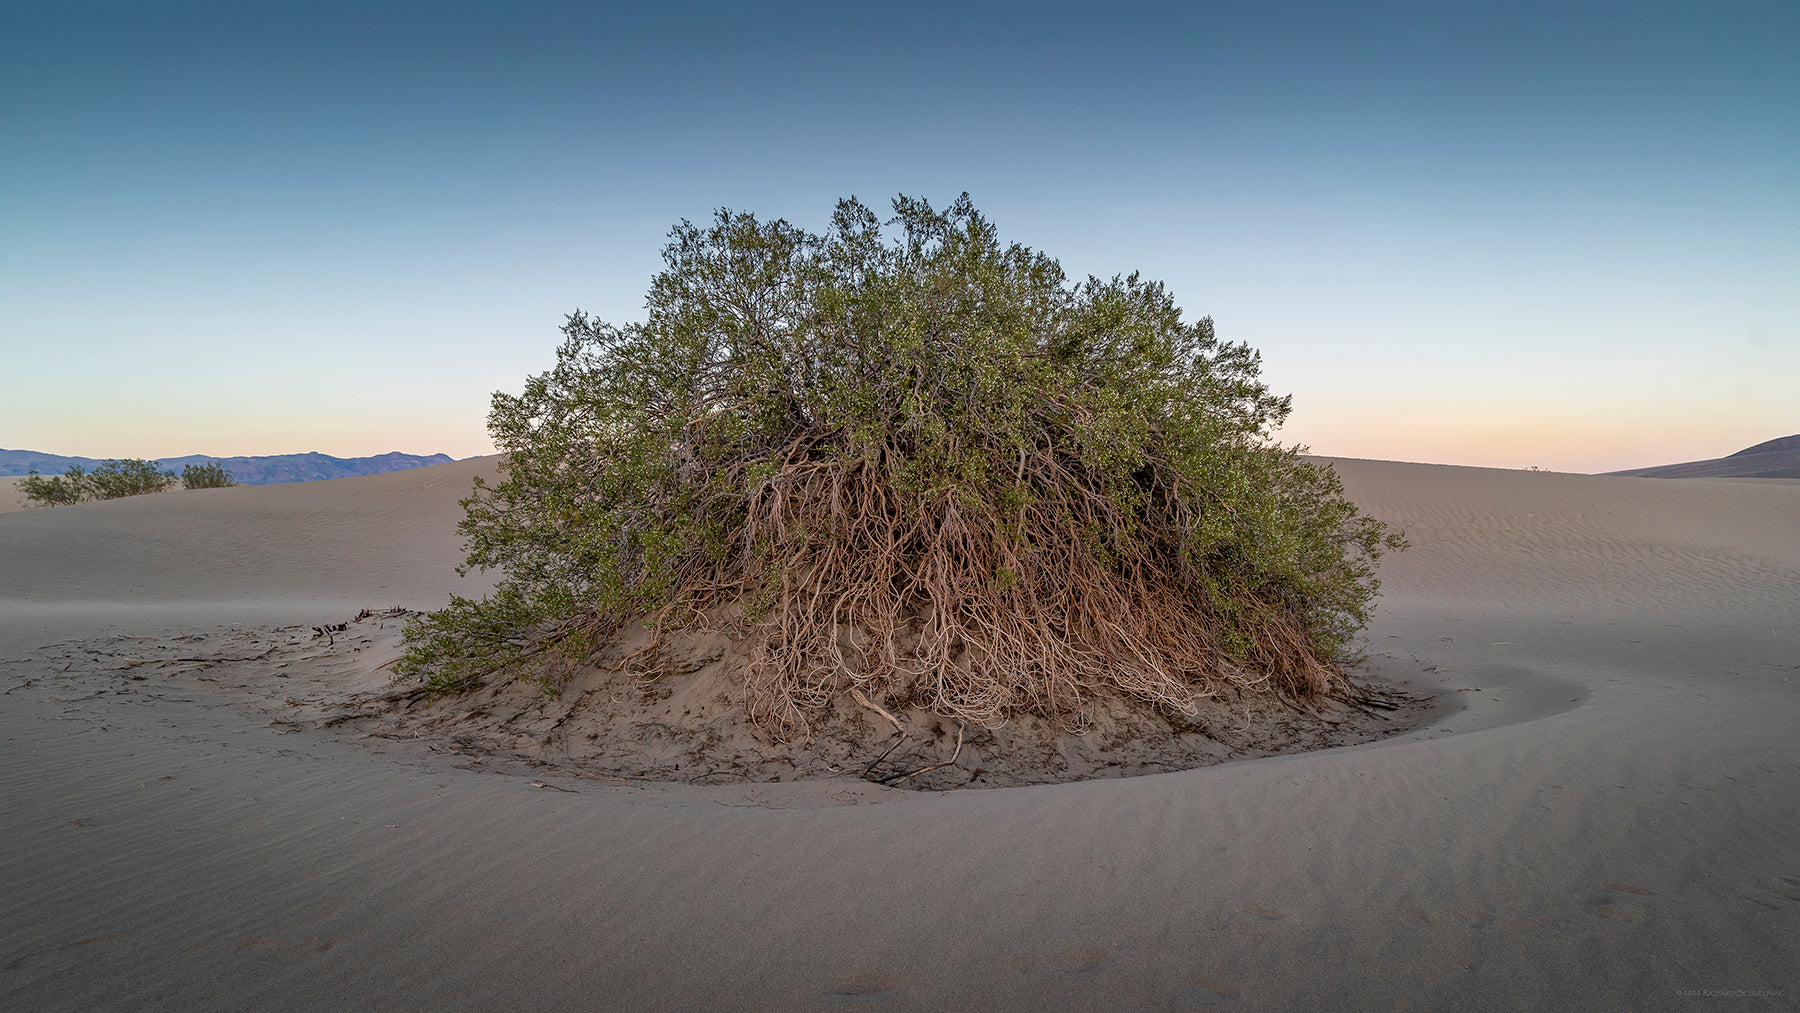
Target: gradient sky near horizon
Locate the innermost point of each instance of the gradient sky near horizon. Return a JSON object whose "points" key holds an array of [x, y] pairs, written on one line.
{"points": [[1507, 234]]}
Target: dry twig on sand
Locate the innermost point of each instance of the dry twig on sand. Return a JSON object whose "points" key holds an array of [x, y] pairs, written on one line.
{"points": [[923, 770]]}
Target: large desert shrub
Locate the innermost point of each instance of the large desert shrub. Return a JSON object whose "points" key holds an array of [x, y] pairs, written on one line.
{"points": [[112, 479], [926, 466]]}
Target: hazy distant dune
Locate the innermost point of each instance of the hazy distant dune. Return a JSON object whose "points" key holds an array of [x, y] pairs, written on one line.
{"points": [[1775, 459]]}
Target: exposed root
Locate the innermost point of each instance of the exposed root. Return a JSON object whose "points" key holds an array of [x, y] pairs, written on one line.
{"points": [[962, 612]]}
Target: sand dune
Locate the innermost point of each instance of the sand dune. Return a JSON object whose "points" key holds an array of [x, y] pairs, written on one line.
{"points": [[1606, 814], [1556, 542], [363, 540]]}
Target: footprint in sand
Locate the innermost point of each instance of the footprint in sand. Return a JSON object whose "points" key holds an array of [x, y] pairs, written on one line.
{"points": [[1222, 989], [1608, 900], [289, 949], [1477, 919], [1084, 960], [1414, 914], [861, 984], [1788, 887]]}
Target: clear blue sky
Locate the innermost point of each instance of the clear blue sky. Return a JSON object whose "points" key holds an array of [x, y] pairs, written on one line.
{"points": [[1508, 234]]}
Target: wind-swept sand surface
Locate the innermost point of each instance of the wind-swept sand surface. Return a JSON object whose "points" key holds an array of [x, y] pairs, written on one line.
{"points": [[1605, 814]]}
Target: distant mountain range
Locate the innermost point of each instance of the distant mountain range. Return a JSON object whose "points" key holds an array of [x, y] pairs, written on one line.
{"points": [[245, 470], [1774, 459]]}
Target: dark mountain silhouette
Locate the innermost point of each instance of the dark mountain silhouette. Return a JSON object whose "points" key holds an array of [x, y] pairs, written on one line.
{"points": [[245, 470], [1775, 459]]}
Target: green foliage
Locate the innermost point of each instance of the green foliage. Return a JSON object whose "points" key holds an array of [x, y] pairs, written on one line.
{"points": [[922, 464], [211, 475], [56, 490], [113, 479], [119, 478]]}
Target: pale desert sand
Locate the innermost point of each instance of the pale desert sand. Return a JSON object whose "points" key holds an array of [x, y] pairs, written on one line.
{"points": [[11, 498], [1605, 812]]}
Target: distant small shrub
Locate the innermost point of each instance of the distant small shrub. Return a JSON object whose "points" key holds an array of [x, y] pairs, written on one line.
{"points": [[57, 490], [120, 478], [212, 475], [111, 480]]}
